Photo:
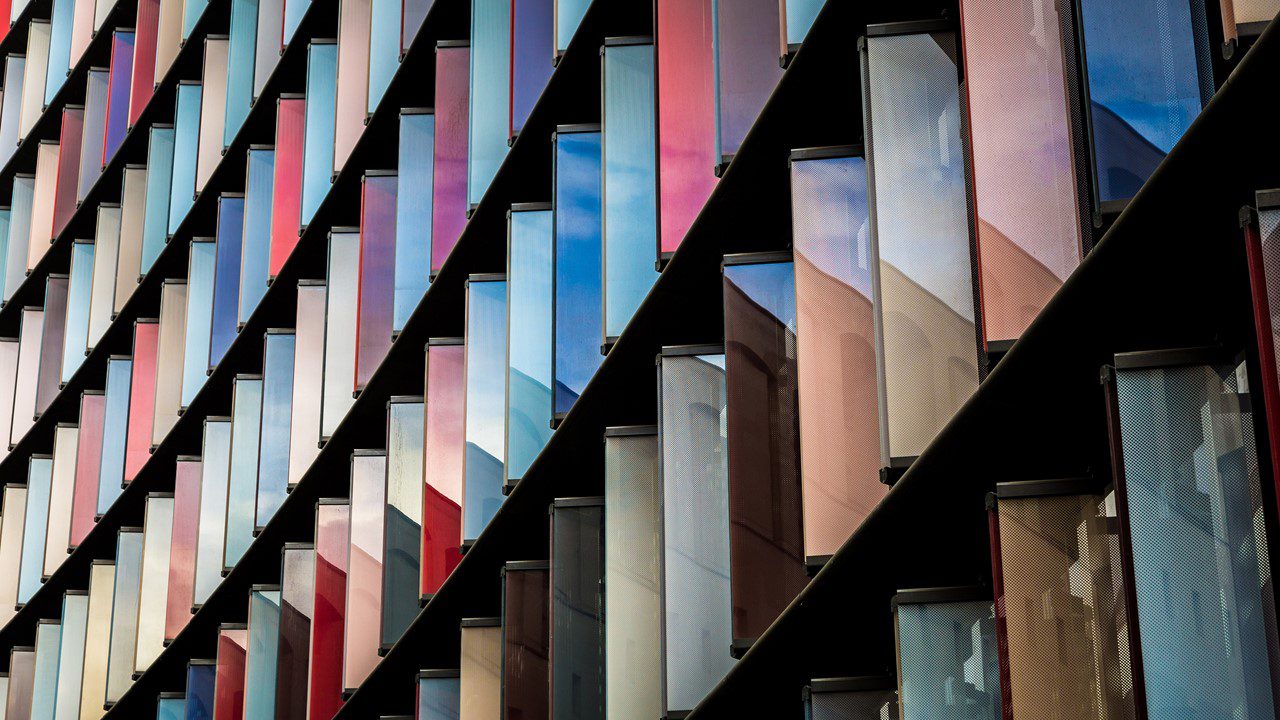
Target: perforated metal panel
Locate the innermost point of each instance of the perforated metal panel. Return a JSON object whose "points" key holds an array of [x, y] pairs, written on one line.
{"points": [[350, 109], [201, 678], [55, 319], [45, 687], [324, 680], [318, 135], [136, 401], [746, 65], [22, 662], [142, 80], [438, 695], [414, 208], [203, 259], [39, 481], [155, 183], [240, 46], [443, 447], [385, 19], [70, 670], [93, 683], [182, 550], [76, 334], [286, 188], [526, 640], [449, 182], [95, 123], [836, 704], [578, 264], [531, 56], [375, 319], [255, 253], [106, 254], [229, 685], [213, 108], [215, 474], [169, 366], [62, 487], [947, 665], [340, 327]]}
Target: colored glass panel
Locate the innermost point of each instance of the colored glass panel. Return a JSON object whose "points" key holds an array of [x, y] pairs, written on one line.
{"points": [[213, 109], [577, 608], [851, 699], [318, 135], [61, 17], [11, 105], [24, 396], [333, 522], [133, 220], [490, 94], [169, 359], [203, 258], [578, 265], [246, 419], [11, 532], [480, 677], [186, 153], [115, 432], [191, 12], [364, 567], [438, 695], [22, 669], [20, 202], [240, 48], [229, 685], [95, 128], [746, 69], [182, 553], [530, 271], [214, 476], [55, 319], [255, 253], [158, 187], [79, 288], [8, 388], [226, 277], [143, 75], [140, 390], [267, 43], [569, 14], [340, 327], [39, 488], [293, 12], [354, 18], [485, 404], [40, 235], [797, 17], [69, 141], [45, 688], [124, 612], [97, 646], [375, 304], [444, 447], [402, 543], [84, 504], [122, 45], [286, 188], [526, 639], [260, 655], [297, 600], [202, 678], [308, 379], [413, 14], [947, 664], [102, 282], [157, 536], [413, 213], [531, 53], [38, 38], [384, 57], [449, 183], [273, 439], [171, 708], [70, 669], [61, 491]]}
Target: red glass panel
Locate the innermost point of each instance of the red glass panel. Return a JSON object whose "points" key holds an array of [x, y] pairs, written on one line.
{"points": [[332, 543], [182, 553], [228, 688], [55, 321], [449, 187], [144, 57], [364, 566], [377, 274], [443, 448], [286, 192], [84, 504], [686, 115], [142, 394], [526, 641], [64, 194]]}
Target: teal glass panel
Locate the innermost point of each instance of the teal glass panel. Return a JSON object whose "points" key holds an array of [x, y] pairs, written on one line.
{"points": [[159, 173], [799, 16], [115, 431], [413, 213], [39, 487], [260, 661], [126, 597], [384, 57], [293, 12], [246, 419], [186, 145], [195, 348], [490, 93], [75, 626], [171, 708], [240, 55], [485, 406], [630, 179], [24, 193], [568, 16], [529, 279], [191, 12], [317, 151], [255, 251], [45, 688], [79, 288], [214, 473], [277, 415], [60, 21]]}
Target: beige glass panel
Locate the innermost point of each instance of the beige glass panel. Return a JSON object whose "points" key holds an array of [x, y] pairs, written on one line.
{"points": [[97, 645], [8, 387], [106, 254], [11, 526], [213, 106], [353, 77], [133, 209], [37, 69], [173, 326], [480, 681], [157, 537], [42, 203], [308, 382], [168, 36], [24, 397], [58, 534]]}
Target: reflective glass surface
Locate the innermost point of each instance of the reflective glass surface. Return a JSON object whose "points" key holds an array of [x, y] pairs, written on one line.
{"points": [[286, 189], [480, 678], [297, 599], [134, 217], [696, 617], [308, 379], [158, 186], [70, 671], [850, 704], [69, 141], [9, 348], [293, 12], [201, 680], [923, 291], [61, 14], [568, 15], [114, 432], [24, 397], [214, 475], [485, 406], [273, 439], [260, 659], [318, 136], [332, 546], [490, 93], [242, 484], [95, 124], [353, 77], [229, 685], [438, 696], [106, 254], [226, 277], [402, 543], [171, 708], [377, 274], [124, 612], [384, 57], [35, 526], [531, 53], [530, 270], [140, 393], [444, 447], [579, 265], [186, 150], [413, 213], [364, 566], [746, 69], [188, 472], [255, 253], [122, 43], [947, 665], [55, 318], [34, 81], [79, 288], [23, 194], [84, 504], [11, 105], [199, 317], [45, 688], [577, 609], [630, 173], [11, 532], [142, 83], [269, 40], [22, 668], [153, 593], [526, 640], [240, 49], [61, 490], [213, 108], [97, 646], [797, 18], [449, 185], [414, 13], [340, 327]]}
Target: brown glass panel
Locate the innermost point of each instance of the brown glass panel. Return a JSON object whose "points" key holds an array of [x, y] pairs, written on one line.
{"points": [[526, 636]]}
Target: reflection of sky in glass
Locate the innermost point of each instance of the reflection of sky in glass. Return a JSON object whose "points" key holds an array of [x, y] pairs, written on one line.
{"points": [[771, 285], [1144, 85], [568, 16], [325, 653], [242, 483], [142, 395], [114, 431], [167, 402], [317, 153], [95, 120], [293, 12], [76, 332], [630, 169], [124, 613], [490, 93], [244, 32], [829, 198], [226, 287], [377, 273], [260, 658], [75, 622], [11, 107], [578, 288], [746, 66], [286, 187], [531, 56], [308, 379], [171, 708], [201, 679], [106, 254], [39, 487], [255, 253], [443, 449], [577, 609], [384, 56], [485, 404], [186, 145], [340, 328], [24, 190], [413, 213], [159, 181], [800, 15], [438, 698], [364, 568], [277, 414], [60, 20], [403, 540], [529, 277], [191, 12], [947, 660], [213, 506], [182, 550], [195, 349]]}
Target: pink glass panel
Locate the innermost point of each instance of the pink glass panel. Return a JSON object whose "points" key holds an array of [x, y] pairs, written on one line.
{"points": [[84, 504], [286, 193], [364, 567], [686, 115], [55, 320], [228, 688], [142, 393], [144, 57], [353, 78], [377, 274], [1024, 184], [182, 554], [332, 540], [64, 194], [449, 187], [443, 448]]}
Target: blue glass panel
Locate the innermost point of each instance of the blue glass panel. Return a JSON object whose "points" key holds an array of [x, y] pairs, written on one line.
{"points": [[75, 625], [255, 252], [200, 683], [226, 277], [155, 222], [76, 330], [260, 659], [95, 123], [293, 12], [799, 17], [171, 708], [490, 93], [39, 485], [529, 278], [214, 473], [485, 407], [947, 661], [568, 15], [439, 697], [24, 192], [115, 429], [45, 687], [384, 57], [1148, 75], [317, 151], [191, 12], [186, 145], [630, 179], [531, 61], [195, 348], [240, 56], [578, 285], [1193, 492], [60, 21], [340, 328], [246, 419], [14, 74], [413, 213], [277, 414]]}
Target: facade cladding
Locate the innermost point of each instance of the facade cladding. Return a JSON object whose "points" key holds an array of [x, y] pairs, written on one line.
{"points": [[419, 391]]}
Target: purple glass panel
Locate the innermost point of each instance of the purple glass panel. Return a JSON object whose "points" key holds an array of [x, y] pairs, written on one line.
{"points": [[118, 93], [531, 53], [449, 186], [55, 318], [375, 305], [747, 67]]}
